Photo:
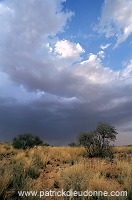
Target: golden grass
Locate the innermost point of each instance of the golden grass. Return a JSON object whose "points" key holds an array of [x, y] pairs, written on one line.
{"points": [[125, 173], [5, 177], [63, 167], [7, 149], [76, 177], [122, 149]]}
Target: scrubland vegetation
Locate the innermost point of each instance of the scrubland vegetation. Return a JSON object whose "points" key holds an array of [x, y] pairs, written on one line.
{"points": [[45, 168]]}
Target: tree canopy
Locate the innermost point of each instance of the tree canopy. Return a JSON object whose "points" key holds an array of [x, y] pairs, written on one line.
{"points": [[105, 133], [26, 140], [97, 142]]}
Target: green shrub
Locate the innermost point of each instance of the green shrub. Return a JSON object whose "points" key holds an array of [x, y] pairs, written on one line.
{"points": [[97, 142], [38, 161], [72, 144], [19, 178], [56, 184], [26, 140], [32, 173], [5, 179]]}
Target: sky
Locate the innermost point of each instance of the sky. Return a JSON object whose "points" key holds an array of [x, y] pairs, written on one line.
{"points": [[65, 65]]}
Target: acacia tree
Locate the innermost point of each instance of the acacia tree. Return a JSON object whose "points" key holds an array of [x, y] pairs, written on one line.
{"points": [[97, 142], [27, 140], [105, 133], [87, 140]]}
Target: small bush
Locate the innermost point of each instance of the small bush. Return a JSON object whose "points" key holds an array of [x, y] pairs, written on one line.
{"points": [[56, 184], [72, 162], [72, 144], [38, 161], [19, 178], [76, 177], [5, 179], [32, 173]]}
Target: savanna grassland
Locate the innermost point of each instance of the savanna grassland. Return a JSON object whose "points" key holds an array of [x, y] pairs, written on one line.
{"points": [[57, 168]]}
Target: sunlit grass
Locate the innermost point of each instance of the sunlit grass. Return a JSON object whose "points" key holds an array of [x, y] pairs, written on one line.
{"points": [[122, 149], [63, 168]]}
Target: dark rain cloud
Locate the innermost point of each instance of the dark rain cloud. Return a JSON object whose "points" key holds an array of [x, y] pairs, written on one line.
{"points": [[43, 93]]}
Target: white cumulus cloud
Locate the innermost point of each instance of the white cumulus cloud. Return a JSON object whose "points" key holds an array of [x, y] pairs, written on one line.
{"points": [[66, 49], [116, 19], [25, 25]]}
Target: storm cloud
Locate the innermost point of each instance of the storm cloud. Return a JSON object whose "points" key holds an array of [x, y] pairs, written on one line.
{"points": [[48, 92]]}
